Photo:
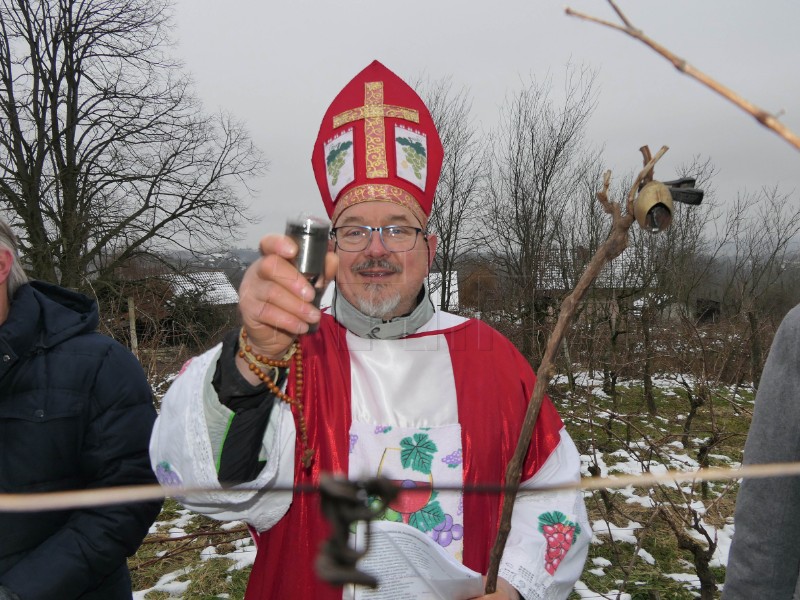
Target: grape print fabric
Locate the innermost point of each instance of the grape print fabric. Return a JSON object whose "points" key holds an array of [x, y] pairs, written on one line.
{"points": [[422, 461]]}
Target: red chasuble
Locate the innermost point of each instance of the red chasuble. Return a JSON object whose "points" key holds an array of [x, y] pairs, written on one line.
{"points": [[493, 384]]}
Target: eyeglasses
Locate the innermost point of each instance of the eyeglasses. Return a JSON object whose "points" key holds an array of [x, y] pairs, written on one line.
{"points": [[395, 238]]}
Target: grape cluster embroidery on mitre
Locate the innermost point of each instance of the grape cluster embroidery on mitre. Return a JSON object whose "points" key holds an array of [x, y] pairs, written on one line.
{"points": [[415, 155], [335, 160]]}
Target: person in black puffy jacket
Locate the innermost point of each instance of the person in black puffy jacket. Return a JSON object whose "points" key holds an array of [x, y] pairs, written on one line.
{"points": [[76, 412]]}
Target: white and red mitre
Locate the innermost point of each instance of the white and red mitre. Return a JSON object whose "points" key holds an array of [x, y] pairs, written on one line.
{"points": [[377, 141]]}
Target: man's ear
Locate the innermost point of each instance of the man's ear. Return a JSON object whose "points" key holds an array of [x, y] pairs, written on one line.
{"points": [[432, 242], [6, 262]]}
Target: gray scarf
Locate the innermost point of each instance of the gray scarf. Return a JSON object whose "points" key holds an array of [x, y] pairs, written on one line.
{"points": [[377, 329]]}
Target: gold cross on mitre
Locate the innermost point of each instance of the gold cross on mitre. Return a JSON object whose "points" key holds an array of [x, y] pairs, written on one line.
{"points": [[373, 112]]}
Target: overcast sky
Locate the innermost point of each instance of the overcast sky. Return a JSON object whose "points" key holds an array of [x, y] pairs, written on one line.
{"points": [[278, 65]]}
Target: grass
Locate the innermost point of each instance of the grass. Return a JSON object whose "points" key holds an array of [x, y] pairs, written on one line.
{"points": [[166, 552], [617, 430], [719, 423]]}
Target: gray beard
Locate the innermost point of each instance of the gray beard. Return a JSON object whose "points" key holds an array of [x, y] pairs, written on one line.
{"points": [[373, 305], [379, 307], [374, 327]]}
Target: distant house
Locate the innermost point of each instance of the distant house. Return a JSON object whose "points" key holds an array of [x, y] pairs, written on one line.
{"points": [[209, 287], [201, 304], [560, 273], [435, 288], [170, 308]]}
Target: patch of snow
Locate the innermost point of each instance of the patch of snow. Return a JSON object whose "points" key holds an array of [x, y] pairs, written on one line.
{"points": [[691, 579], [646, 556], [617, 533], [242, 557], [168, 584], [586, 594]]}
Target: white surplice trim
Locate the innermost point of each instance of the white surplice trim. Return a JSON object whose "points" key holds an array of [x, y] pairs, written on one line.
{"points": [[181, 452], [523, 562]]}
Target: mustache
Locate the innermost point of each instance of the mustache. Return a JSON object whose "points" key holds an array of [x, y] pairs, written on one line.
{"points": [[376, 263]]}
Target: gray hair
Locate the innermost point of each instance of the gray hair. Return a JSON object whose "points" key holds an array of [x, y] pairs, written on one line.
{"points": [[17, 276]]}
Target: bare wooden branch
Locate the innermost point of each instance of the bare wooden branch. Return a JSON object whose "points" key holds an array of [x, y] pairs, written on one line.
{"points": [[620, 14], [767, 119], [192, 536], [34, 502], [616, 242]]}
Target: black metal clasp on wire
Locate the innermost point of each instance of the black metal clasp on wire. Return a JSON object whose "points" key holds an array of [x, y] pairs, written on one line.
{"points": [[344, 503]]}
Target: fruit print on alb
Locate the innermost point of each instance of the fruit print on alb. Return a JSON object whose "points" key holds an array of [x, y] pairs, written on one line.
{"points": [[560, 533], [420, 460]]}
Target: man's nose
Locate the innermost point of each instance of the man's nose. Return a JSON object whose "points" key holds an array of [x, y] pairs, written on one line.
{"points": [[375, 246]]}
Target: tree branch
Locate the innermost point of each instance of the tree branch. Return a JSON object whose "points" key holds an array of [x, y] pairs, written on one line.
{"points": [[762, 116]]}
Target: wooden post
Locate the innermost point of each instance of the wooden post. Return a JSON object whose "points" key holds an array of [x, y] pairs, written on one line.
{"points": [[132, 321]]}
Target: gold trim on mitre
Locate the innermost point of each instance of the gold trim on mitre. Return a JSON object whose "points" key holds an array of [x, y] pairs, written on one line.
{"points": [[373, 113], [379, 192]]}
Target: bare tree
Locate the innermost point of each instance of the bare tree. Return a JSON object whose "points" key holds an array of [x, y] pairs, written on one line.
{"points": [[688, 249], [577, 238], [608, 302], [672, 266], [538, 163], [104, 152], [763, 228], [456, 206]]}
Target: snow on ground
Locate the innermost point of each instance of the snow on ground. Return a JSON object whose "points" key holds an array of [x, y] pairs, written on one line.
{"points": [[181, 522], [617, 533], [168, 585], [242, 557], [690, 578], [646, 556], [723, 537], [586, 594]]}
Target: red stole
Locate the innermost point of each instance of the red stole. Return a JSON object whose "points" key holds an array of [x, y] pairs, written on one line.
{"points": [[493, 386]]}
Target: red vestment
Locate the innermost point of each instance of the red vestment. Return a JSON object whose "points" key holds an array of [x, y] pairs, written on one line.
{"points": [[493, 383]]}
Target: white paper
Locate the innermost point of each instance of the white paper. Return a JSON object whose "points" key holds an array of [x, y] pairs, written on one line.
{"points": [[409, 565]]}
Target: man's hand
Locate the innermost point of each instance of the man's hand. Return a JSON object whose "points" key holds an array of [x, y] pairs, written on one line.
{"points": [[276, 301], [504, 591]]}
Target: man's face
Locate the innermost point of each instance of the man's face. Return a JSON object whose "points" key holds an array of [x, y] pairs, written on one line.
{"points": [[378, 282]]}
